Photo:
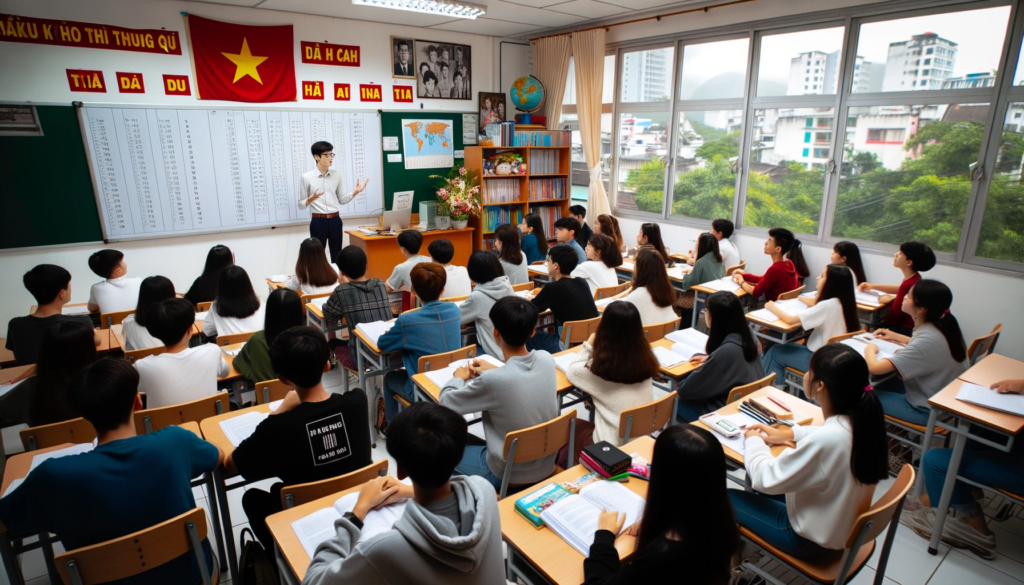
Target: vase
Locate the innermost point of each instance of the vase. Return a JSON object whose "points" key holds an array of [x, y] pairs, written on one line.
{"points": [[460, 224], [442, 222]]}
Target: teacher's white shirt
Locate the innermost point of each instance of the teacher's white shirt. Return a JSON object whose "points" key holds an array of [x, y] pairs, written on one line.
{"points": [[330, 183]]}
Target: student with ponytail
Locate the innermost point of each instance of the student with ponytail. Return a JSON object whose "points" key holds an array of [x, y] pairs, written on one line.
{"points": [[602, 259], [787, 271], [933, 357], [534, 243], [829, 479], [848, 254], [650, 237]]}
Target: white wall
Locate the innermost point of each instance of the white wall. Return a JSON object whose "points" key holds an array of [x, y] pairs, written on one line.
{"points": [[980, 299]]}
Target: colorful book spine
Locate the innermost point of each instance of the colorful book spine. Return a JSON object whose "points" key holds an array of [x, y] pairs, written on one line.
{"points": [[501, 190], [531, 505], [548, 189], [542, 138], [544, 162], [548, 214], [495, 216]]}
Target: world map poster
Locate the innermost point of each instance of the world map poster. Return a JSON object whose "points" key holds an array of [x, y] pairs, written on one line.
{"points": [[428, 144]]}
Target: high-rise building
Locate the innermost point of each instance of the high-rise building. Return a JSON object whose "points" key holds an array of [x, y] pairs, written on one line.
{"points": [[861, 75], [970, 81], [921, 63], [813, 73], [645, 75]]}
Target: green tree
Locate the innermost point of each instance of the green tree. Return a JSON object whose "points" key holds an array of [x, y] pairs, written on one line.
{"points": [[706, 192], [648, 182]]}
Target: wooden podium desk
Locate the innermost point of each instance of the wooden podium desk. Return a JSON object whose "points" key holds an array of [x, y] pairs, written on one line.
{"points": [[383, 255]]}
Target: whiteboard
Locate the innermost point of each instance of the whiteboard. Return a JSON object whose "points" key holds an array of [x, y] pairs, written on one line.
{"points": [[170, 172]]}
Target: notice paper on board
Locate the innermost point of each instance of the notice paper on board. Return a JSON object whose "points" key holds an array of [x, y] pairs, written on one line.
{"points": [[394, 158], [403, 200], [390, 143]]}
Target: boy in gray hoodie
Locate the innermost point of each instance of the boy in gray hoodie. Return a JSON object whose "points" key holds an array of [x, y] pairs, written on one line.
{"points": [[486, 271], [450, 533]]}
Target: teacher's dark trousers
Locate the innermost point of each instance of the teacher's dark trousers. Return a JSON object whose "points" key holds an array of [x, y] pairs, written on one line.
{"points": [[329, 232]]}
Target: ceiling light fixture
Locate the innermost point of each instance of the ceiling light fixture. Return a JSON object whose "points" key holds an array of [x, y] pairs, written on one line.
{"points": [[437, 7]]}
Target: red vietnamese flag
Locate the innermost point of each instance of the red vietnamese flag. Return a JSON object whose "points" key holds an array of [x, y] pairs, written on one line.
{"points": [[242, 63]]}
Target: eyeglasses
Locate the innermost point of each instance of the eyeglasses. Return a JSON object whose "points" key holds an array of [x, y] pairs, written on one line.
{"points": [[329, 154]]}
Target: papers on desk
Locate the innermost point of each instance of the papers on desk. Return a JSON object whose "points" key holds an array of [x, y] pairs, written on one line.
{"points": [[279, 278], [201, 316], [374, 329], [605, 302], [5, 388], [869, 298], [368, 232], [688, 342], [75, 310], [239, 428], [722, 284], [740, 420], [564, 360], [791, 307], [75, 450], [14, 485], [526, 294], [574, 518], [678, 271], [886, 349], [320, 302], [989, 398], [668, 358], [273, 405], [626, 265], [233, 352], [440, 377]]}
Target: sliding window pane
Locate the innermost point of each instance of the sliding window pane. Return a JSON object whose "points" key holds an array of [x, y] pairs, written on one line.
{"points": [[906, 173], [1002, 229], [789, 153], [579, 177], [800, 63], [643, 148], [607, 91], [955, 50], [647, 75], [714, 70], [707, 150]]}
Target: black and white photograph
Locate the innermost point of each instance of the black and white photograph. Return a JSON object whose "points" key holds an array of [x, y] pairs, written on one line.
{"points": [[443, 70], [401, 57], [492, 109]]}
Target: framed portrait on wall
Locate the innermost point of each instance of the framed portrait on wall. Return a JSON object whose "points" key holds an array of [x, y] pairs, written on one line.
{"points": [[443, 70], [402, 58], [492, 109]]}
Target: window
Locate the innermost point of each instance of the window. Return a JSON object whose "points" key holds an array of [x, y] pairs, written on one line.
{"points": [[1002, 226], [806, 152], [824, 122], [579, 177], [780, 51], [651, 73], [807, 136], [714, 70], [886, 135], [707, 149], [821, 153], [643, 150]]}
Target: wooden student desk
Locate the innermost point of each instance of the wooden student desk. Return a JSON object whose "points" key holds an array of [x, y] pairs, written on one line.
{"points": [[701, 292], [15, 374], [383, 253], [777, 331]]}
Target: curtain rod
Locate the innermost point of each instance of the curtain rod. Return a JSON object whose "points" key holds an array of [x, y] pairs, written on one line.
{"points": [[656, 17]]}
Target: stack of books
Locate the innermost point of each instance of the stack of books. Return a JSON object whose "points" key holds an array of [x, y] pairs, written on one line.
{"points": [[548, 189], [544, 162], [543, 138], [501, 190]]}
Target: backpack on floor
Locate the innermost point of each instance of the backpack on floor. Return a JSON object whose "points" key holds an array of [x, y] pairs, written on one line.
{"points": [[256, 567]]}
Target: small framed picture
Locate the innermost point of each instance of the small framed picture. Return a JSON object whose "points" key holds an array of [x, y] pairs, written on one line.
{"points": [[402, 58], [443, 70], [492, 109]]}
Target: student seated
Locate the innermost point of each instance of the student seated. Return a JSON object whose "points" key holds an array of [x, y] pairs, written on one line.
{"points": [[912, 259], [609, 226], [284, 311], [615, 368], [409, 242], [566, 229], [649, 237], [651, 291], [127, 483], [67, 349], [356, 300], [578, 212], [518, 395], [599, 269], [457, 284], [935, 355], [50, 285], [848, 254], [688, 466], [709, 265], [204, 288], [534, 243], [181, 373], [829, 479], [832, 312], [314, 273], [237, 308], [450, 533], [513, 261], [491, 286], [153, 290], [434, 328], [282, 445], [117, 292], [786, 273], [722, 230], [731, 359], [568, 298]]}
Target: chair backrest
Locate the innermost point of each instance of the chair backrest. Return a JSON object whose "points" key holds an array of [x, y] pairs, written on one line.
{"points": [[660, 330], [202, 307], [610, 291], [741, 392], [535, 442], [522, 286], [298, 494], [538, 262], [741, 266], [233, 338], [838, 338], [429, 363], [109, 319], [76, 430], [268, 391], [881, 512], [576, 332], [454, 299], [792, 294], [154, 419], [137, 354], [644, 420], [984, 345], [135, 553]]}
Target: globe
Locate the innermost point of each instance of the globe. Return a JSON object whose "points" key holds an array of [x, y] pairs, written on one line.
{"points": [[527, 94]]}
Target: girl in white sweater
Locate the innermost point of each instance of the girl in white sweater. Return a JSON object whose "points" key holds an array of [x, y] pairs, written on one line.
{"points": [[830, 478], [314, 273], [602, 258], [651, 291]]}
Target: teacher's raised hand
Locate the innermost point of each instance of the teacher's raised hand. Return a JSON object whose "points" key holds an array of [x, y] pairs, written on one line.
{"points": [[360, 185]]}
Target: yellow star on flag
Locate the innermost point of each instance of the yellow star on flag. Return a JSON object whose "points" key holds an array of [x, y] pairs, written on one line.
{"points": [[245, 63]]}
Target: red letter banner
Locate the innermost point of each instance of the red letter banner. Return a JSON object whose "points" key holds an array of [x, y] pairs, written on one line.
{"points": [[176, 85], [65, 33], [341, 92], [312, 90], [86, 80], [370, 93], [130, 83], [327, 54], [402, 93]]}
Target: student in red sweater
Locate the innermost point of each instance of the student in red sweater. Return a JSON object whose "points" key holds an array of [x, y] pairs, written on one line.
{"points": [[912, 259], [786, 273]]}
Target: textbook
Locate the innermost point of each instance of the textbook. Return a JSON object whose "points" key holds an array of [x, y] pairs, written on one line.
{"points": [[564, 360], [790, 307], [374, 329], [688, 342], [531, 505], [574, 517], [678, 271], [989, 398], [440, 377], [668, 358], [241, 427], [319, 526], [886, 349]]}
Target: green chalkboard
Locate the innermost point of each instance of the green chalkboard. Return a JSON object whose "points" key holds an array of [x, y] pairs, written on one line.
{"points": [[47, 190], [396, 176]]}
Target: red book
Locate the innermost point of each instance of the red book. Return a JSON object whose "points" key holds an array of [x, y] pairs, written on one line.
{"points": [[590, 464], [242, 63]]}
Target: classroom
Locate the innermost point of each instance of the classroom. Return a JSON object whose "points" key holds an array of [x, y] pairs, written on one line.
{"points": [[512, 292]]}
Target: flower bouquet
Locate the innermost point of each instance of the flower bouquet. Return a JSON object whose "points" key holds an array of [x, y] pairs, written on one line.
{"points": [[458, 196]]}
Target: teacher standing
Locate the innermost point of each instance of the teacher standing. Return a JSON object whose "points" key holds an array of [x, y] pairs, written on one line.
{"points": [[321, 193]]}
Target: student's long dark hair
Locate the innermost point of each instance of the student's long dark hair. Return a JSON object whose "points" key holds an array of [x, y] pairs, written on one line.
{"points": [[511, 250], [284, 311], [727, 317], [621, 352], [839, 285], [649, 272], [936, 298], [845, 375], [688, 465], [792, 249], [708, 244], [851, 252], [652, 232], [313, 268], [204, 289], [235, 296], [67, 348], [152, 290], [532, 220], [610, 255], [610, 227]]}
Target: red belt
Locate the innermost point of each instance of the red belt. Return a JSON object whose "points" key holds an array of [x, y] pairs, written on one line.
{"points": [[325, 215]]}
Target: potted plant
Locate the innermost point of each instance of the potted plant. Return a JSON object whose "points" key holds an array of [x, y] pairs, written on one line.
{"points": [[458, 197]]}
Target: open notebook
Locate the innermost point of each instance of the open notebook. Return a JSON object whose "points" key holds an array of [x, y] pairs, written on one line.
{"points": [[722, 284], [320, 302], [989, 398], [239, 428], [574, 518], [563, 361], [687, 342], [441, 376], [374, 329], [233, 352], [886, 349], [319, 526], [790, 307]]}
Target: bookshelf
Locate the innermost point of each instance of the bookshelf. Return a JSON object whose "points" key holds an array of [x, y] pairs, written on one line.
{"points": [[508, 198]]}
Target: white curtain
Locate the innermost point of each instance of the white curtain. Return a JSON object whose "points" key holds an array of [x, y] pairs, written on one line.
{"points": [[551, 67], [588, 58]]}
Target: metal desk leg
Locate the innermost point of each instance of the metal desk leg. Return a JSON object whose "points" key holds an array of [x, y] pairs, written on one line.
{"points": [[963, 426], [10, 560], [696, 303], [929, 432], [217, 520], [225, 516]]}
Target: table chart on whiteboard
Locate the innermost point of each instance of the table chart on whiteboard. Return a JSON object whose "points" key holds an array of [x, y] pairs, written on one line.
{"points": [[169, 172]]}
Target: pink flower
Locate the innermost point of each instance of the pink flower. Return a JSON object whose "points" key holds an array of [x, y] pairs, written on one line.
{"points": [[462, 171], [461, 184], [443, 192]]}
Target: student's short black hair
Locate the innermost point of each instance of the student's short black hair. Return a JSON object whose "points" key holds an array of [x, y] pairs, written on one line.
{"points": [[427, 441], [299, 354], [104, 393], [920, 254], [441, 250], [411, 240], [515, 318], [321, 147], [428, 280], [351, 261], [429, 76], [104, 262], [170, 319], [484, 267], [578, 210], [565, 257], [569, 223], [723, 226], [45, 282]]}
